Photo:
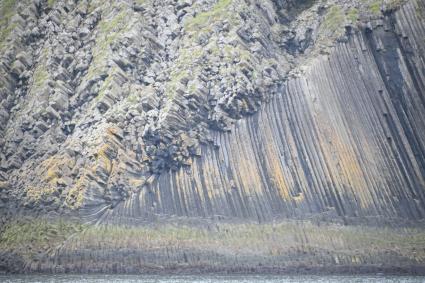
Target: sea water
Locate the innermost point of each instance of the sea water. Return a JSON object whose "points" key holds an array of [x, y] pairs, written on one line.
{"points": [[208, 279]]}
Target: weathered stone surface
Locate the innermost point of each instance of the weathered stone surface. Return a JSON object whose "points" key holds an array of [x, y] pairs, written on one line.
{"points": [[141, 112]]}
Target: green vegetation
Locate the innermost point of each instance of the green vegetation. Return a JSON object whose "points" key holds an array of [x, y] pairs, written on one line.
{"points": [[375, 7], [333, 24], [108, 32], [7, 10], [29, 237], [200, 26], [353, 15], [40, 76], [190, 58], [206, 18], [106, 85], [420, 10], [108, 26], [394, 4], [50, 3], [301, 5], [176, 77], [187, 60], [260, 239], [133, 98]]}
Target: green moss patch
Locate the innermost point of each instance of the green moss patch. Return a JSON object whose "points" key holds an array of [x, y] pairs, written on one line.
{"points": [[30, 237], [375, 7], [109, 30], [261, 239], [333, 24], [50, 3], [7, 10], [207, 18], [420, 9], [287, 242], [353, 15]]}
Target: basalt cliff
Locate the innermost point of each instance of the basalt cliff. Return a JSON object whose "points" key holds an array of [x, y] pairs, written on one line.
{"points": [[146, 136]]}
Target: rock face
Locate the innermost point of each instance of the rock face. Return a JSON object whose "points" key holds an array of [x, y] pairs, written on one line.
{"points": [[213, 135]]}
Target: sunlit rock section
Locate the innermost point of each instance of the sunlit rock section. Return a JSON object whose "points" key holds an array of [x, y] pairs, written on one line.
{"points": [[346, 138]]}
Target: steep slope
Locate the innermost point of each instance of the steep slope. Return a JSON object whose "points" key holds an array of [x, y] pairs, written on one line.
{"points": [[212, 135]]}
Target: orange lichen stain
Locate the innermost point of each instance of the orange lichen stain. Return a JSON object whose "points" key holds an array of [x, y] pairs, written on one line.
{"points": [[247, 171], [275, 170], [355, 178], [114, 132], [345, 165]]}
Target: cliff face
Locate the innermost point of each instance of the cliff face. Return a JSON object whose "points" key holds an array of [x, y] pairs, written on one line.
{"points": [[344, 138], [212, 135]]}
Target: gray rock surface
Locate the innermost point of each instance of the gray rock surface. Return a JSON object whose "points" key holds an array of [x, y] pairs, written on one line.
{"points": [[137, 112]]}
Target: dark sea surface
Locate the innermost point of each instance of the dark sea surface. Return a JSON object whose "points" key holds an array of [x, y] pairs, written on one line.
{"points": [[207, 279]]}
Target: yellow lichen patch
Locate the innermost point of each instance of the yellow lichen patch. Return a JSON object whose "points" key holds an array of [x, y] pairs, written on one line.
{"points": [[106, 154], [35, 193], [75, 196], [298, 198], [52, 174], [55, 167], [135, 183], [103, 153]]}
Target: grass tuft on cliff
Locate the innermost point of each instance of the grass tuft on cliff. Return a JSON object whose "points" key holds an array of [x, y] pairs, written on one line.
{"points": [[333, 25], [206, 18]]}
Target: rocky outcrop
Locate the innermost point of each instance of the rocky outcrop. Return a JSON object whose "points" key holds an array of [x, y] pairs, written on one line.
{"points": [[349, 145], [206, 113]]}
